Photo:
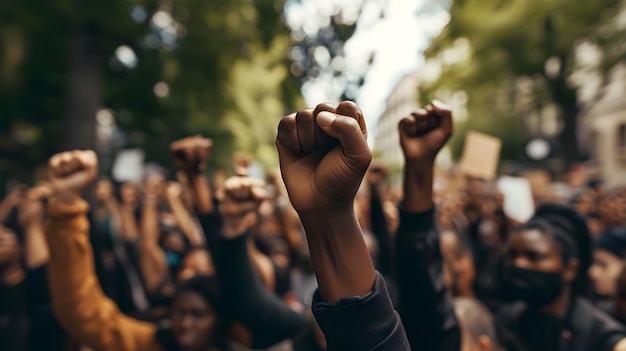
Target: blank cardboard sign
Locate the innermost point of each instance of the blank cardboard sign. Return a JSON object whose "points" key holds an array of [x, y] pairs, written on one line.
{"points": [[481, 155]]}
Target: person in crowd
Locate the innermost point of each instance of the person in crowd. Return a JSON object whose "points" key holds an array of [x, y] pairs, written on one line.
{"points": [[608, 264], [478, 332], [80, 305], [323, 156], [27, 321], [541, 262], [458, 264]]}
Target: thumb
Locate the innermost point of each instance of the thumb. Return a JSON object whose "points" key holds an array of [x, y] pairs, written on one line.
{"points": [[349, 133]]}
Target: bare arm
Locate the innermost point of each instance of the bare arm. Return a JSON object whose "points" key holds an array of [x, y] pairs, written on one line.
{"points": [[31, 213], [152, 261], [183, 217], [191, 156]]}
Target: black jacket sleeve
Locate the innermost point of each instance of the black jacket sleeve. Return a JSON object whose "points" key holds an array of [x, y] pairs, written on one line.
{"points": [[381, 232], [246, 300], [426, 310], [362, 323]]}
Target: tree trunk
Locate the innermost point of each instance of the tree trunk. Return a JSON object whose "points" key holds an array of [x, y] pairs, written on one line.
{"points": [[569, 135], [567, 99], [84, 91]]}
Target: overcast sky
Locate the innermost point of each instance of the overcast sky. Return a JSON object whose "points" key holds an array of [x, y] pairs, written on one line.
{"points": [[397, 41]]}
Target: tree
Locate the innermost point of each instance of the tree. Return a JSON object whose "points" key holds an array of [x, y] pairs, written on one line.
{"points": [[60, 62], [521, 56]]}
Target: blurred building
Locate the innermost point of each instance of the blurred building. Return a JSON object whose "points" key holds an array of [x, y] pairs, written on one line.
{"points": [[605, 121], [399, 104]]}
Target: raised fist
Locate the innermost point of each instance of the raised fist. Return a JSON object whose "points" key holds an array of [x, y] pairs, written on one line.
{"points": [[240, 198], [426, 132], [173, 191], [323, 156], [154, 186], [72, 171], [192, 154]]}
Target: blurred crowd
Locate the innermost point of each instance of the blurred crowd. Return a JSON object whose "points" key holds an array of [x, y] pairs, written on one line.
{"points": [[183, 261]]}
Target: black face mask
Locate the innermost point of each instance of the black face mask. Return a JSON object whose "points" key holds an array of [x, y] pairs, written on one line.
{"points": [[533, 287]]}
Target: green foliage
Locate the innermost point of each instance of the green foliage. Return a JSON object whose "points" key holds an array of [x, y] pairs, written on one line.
{"points": [[227, 76], [510, 41]]}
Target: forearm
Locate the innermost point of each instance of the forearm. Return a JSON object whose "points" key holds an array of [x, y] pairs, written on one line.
{"points": [[202, 195], [185, 222], [381, 232], [418, 186], [36, 250], [130, 228], [152, 261], [340, 257]]}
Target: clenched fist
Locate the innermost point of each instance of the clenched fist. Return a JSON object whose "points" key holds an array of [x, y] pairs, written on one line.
{"points": [[71, 172], [240, 198], [424, 133], [323, 156], [192, 154]]}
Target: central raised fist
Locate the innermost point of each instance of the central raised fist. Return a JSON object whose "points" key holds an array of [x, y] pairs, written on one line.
{"points": [[323, 156]]}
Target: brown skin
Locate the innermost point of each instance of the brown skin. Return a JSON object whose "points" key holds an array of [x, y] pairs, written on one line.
{"points": [[323, 157], [532, 250], [195, 263], [31, 217], [193, 322], [193, 318], [605, 272], [422, 136], [191, 156]]}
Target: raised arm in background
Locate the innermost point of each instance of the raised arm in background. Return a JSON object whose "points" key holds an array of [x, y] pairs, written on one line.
{"points": [[426, 310], [323, 157], [378, 220], [152, 260], [130, 200], [173, 194], [31, 216], [268, 318], [78, 301], [191, 156]]}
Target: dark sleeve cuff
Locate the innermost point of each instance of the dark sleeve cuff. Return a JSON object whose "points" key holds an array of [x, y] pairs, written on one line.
{"points": [[417, 221], [361, 323]]}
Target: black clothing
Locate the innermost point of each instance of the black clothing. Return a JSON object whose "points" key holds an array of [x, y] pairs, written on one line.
{"points": [[26, 318], [584, 328], [426, 311], [359, 323], [362, 323], [519, 328]]}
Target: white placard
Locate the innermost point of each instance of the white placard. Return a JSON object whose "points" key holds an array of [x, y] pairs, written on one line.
{"points": [[128, 166], [518, 198]]}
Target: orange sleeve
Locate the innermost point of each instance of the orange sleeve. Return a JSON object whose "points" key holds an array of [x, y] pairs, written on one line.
{"points": [[78, 301]]}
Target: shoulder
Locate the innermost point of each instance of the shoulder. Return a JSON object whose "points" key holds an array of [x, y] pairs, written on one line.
{"points": [[605, 332]]}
